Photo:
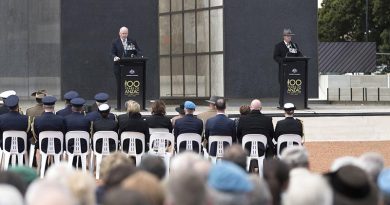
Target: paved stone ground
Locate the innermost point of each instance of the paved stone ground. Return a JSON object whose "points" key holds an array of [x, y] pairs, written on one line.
{"points": [[322, 154]]}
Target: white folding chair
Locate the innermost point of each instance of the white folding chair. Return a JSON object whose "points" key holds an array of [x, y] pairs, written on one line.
{"points": [[14, 149], [153, 130], [132, 151], [50, 151], [77, 136], [105, 136], [220, 149], [254, 151], [1, 157], [188, 138], [31, 155], [289, 139], [158, 146]]}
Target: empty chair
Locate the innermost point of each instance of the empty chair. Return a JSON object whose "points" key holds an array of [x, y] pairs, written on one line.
{"points": [[290, 140], [132, 151], [153, 130], [220, 148], [50, 151], [13, 151], [105, 136], [254, 151], [189, 138], [77, 136]]}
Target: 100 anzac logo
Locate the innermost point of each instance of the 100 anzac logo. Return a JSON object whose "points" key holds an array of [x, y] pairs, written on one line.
{"points": [[132, 87], [294, 86]]}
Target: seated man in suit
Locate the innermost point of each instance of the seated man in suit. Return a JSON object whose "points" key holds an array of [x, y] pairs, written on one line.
{"points": [[289, 125], [219, 125], [257, 123], [188, 124]]}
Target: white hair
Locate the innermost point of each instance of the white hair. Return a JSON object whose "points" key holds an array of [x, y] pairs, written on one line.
{"points": [[9, 195], [44, 192], [316, 189], [60, 173], [295, 156], [373, 164], [344, 161], [184, 161]]}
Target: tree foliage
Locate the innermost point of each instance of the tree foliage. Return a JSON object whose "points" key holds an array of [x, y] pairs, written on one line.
{"points": [[345, 20]]}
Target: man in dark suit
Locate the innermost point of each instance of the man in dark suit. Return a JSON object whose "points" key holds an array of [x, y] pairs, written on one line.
{"points": [[188, 124], [122, 47], [290, 125], [284, 49], [257, 123], [219, 125], [13, 120], [77, 121], [68, 107], [48, 121]]}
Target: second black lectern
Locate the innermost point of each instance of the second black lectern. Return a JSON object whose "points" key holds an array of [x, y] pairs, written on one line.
{"points": [[132, 81], [294, 81]]}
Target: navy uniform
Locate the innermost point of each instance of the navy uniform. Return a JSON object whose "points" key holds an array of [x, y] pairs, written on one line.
{"points": [[100, 99], [76, 121], [3, 108], [104, 123], [289, 125], [13, 120], [37, 109], [68, 107], [48, 121]]}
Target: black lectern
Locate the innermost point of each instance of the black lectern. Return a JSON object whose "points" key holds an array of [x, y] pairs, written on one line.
{"points": [[132, 81], [294, 81]]}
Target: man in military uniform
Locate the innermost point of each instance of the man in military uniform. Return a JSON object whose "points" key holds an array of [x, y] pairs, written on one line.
{"points": [[68, 107], [48, 121], [100, 98], [211, 112], [3, 108], [105, 123], [13, 120], [289, 125], [36, 110], [77, 121]]}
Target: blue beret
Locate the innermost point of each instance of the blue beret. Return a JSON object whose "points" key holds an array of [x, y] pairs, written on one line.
{"points": [[77, 102], [11, 101], [189, 105], [228, 177], [49, 100], [101, 97], [70, 95], [384, 181]]}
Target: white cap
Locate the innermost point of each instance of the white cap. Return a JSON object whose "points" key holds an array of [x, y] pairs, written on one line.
{"points": [[7, 93], [289, 106], [104, 107]]}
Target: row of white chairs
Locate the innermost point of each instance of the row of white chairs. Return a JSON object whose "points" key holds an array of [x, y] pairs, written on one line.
{"points": [[157, 145]]}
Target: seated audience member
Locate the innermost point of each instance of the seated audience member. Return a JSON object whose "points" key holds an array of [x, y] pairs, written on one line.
{"points": [[158, 118], [154, 165], [237, 155], [210, 112], [132, 122], [181, 112], [219, 125], [188, 124], [13, 179], [295, 156], [344, 161], [260, 194], [101, 98], [4, 95], [121, 196], [9, 195], [37, 109], [352, 186], [244, 110], [316, 188], [104, 123], [46, 192], [276, 174], [289, 125], [68, 96], [146, 184], [186, 187], [189, 161], [384, 186], [229, 184], [83, 186], [117, 174], [373, 164], [28, 174]]}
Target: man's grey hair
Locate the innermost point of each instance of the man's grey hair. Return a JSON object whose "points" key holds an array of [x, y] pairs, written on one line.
{"points": [[316, 189], [344, 161], [373, 164], [45, 192], [261, 194], [295, 156], [228, 198], [9, 195]]}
